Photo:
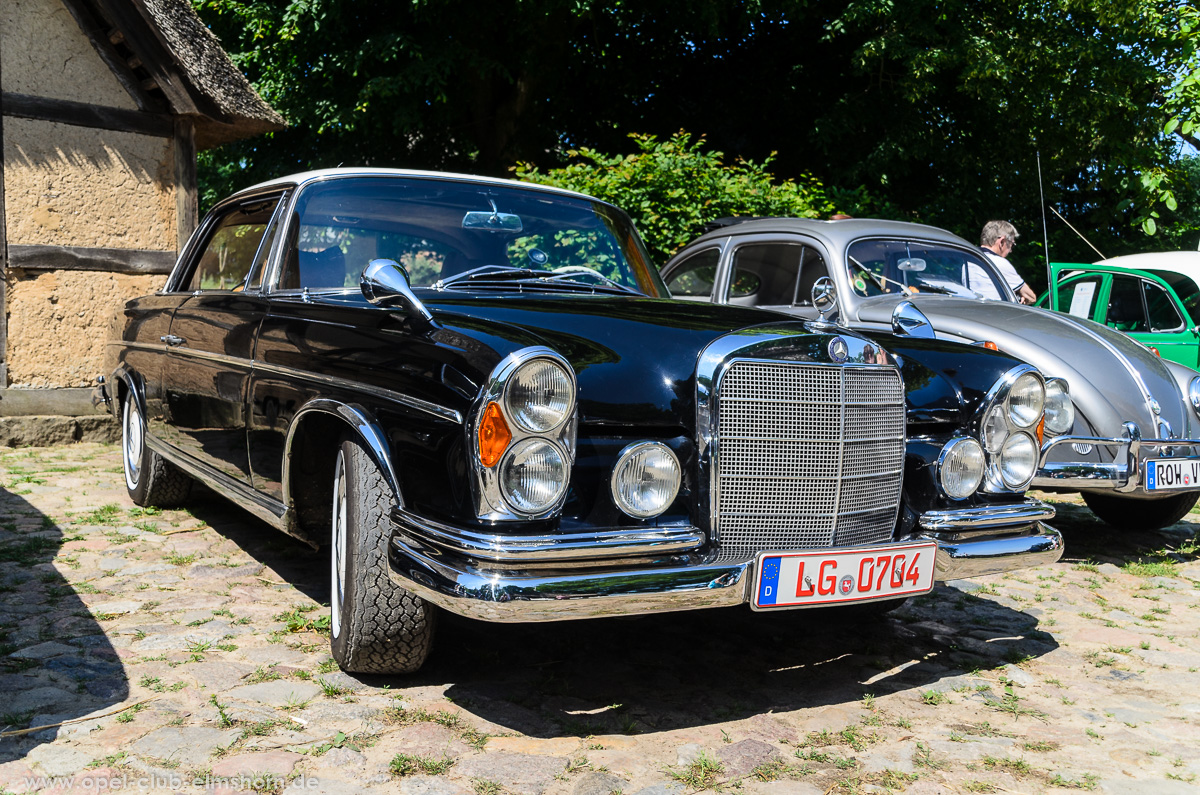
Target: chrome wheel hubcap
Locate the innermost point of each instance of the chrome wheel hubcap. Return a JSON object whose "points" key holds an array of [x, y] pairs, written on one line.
{"points": [[131, 443], [337, 557]]}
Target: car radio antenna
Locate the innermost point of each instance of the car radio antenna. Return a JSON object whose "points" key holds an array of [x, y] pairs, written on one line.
{"points": [[1050, 285], [1076, 231]]}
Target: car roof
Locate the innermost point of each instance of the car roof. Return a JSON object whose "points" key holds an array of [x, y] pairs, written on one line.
{"points": [[363, 171], [1185, 262], [838, 233]]}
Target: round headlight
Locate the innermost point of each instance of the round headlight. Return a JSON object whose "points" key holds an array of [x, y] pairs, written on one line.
{"points": [[1018, 460], [533, 476], [995, 429], [1026, 399], [1194, 393], [646, 479], [960, 467], [539, 395], [1060, 411]]}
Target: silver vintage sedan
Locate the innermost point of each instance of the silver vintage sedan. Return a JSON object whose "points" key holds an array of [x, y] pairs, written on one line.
{"points": [[1121, 423]]}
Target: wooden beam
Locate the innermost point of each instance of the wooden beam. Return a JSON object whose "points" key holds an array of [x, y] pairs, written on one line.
{"points": [[78, 258], [81, 114], [187, 201], [96, 30]]}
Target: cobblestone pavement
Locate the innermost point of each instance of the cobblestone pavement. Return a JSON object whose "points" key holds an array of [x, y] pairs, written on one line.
{"points": [[185, 650]]}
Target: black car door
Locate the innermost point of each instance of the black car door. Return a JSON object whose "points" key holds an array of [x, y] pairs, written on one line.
{"points": [[212, 337]]}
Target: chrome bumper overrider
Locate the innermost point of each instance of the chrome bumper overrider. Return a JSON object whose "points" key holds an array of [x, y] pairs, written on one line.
{"points": [[1125, 473], [496, 586]]}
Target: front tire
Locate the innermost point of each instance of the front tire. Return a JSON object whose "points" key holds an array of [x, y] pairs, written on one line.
{"points": [[377, 627], [1134, 514], [150, 479]]}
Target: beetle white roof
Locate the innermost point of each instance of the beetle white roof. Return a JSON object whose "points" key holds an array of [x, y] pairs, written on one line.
{"points": [[1186, 262]]}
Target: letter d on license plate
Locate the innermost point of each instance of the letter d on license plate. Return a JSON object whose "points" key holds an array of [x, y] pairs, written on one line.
{"points": [[824, 577], [1165, 474]]}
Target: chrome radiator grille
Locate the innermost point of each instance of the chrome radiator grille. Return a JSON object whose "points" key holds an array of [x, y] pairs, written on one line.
{"points": [[806, 456]]}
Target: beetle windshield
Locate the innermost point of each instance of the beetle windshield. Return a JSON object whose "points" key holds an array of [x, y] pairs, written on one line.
{"points": [[910, 266], [445, 232]]}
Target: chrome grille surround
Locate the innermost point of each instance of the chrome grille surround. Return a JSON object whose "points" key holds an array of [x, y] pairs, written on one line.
{"points": [[800, 452]]}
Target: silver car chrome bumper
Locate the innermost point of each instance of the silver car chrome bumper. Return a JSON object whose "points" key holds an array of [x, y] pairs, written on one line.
{"points": [[1125, 473], [483, 590], [987, 516]]}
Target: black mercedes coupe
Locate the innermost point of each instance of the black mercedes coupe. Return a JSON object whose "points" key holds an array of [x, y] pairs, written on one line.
{"points": [[479, 397]]}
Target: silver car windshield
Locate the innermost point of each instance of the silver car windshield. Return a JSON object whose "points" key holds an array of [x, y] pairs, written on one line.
{"points": [[877, 267], [455, 234]]}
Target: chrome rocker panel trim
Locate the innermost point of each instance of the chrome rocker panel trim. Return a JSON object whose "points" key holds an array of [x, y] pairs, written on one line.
{"points": [[677, 583], [1123, 476]]}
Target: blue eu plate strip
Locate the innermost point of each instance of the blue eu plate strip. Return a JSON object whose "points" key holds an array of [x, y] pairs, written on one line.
{"points": [[768, 581]]}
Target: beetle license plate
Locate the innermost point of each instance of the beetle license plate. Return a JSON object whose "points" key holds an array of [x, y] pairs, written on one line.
{"points": [[816, 577], [1164, 474]]}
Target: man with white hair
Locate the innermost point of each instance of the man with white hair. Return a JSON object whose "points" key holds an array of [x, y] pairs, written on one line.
{"points": [[997, 241]]}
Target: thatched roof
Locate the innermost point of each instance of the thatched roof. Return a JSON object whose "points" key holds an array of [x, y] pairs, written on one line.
{"points": [[172, 63]]}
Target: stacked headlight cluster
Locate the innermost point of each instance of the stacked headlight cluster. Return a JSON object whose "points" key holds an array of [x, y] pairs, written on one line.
{"points": [[1003, 455], [524, 436]]}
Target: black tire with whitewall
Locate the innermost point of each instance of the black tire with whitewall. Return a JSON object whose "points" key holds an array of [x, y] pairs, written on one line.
{"points": [[1134, 514], [377, 626], [150, 479]]}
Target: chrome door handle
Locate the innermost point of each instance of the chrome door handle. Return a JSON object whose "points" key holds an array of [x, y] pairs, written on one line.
{"points": [[172, 340]]}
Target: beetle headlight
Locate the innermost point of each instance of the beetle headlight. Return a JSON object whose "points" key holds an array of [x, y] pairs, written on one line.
{"points": [[1194, 393], [1026, 399], [1018, 460], [1060, 411], [646, 479], [539, 395], [960, 467], [533, 475]]}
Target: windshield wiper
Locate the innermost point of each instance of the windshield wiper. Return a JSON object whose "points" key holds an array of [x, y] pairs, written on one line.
{"points": [[485, 273], [509, 274]]}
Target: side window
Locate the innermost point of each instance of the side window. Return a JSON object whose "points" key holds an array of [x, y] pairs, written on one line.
{"points": [[695, 276], [1125, 310], [1160, 309], [766, 274], [232, 247], [1078, 296], [812, 267]]}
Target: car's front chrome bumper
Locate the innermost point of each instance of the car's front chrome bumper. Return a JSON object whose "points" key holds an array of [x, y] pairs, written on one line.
{"points": [[506, 578], [1125, 474]]}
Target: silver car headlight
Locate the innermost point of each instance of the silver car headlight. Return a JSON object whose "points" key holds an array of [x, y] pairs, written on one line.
{"points": [[539, 395], [1018, 460], [960, 467], [533, 475], [1194, 393], [1060, 411], [1026, 400], [646, 479]]}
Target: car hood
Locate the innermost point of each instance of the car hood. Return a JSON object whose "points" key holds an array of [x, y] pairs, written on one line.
{"points": [[1111, 377], [634, 357]]}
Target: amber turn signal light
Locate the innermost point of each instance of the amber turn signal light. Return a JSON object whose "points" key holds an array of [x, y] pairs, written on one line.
{"points": [[1041, 429], [991, 346], [1154, 351], [494, 435]]}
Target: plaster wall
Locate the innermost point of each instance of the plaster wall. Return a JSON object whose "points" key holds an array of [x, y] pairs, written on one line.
{"points": [[58, 322], [79, 186], [45, 54]]}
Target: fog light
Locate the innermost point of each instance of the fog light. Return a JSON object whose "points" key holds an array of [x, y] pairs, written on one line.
{"points": [[960, 467], [533, 476], [646, 479], [1018, 460]]}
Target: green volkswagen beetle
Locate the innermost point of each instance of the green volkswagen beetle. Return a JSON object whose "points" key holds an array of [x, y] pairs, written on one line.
{"points": [[1154, 298]]}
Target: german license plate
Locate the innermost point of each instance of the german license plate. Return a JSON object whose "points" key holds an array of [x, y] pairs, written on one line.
{"points": [[811, 578], [1164, 474]]}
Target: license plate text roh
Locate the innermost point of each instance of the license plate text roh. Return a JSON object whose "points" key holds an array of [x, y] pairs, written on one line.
{"points": [[791, 579], [1164, 473]]}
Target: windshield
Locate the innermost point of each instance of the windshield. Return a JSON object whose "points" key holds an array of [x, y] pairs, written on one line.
{"points": [[443, 229], [910, 266]]}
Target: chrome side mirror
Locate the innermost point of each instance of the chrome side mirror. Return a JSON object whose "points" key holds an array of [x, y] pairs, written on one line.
{"points": [[384, 282], [824, 297], [908, 321]]}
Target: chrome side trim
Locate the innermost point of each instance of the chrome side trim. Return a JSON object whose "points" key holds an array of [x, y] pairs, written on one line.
{"points": [[689, 583], [368, 430], [433, 409], [987, 516], [609, 542], [269, 510]]}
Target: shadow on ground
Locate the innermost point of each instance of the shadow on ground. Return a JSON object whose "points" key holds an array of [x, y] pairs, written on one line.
{"points": [[56, 663]]}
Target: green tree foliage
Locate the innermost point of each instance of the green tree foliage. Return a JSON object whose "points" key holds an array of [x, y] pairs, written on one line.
{"points": [[672, 188]]}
